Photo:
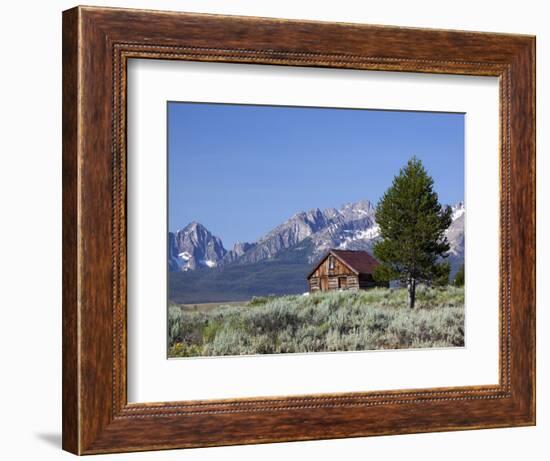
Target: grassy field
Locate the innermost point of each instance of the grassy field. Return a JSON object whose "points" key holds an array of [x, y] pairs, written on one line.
{"points": [[335, 321], [207, 307]]}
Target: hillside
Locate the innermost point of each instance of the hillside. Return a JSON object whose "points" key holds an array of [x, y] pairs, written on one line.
{"points": [[238, 282]]}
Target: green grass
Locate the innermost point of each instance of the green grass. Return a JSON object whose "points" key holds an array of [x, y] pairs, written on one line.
{"points": [[336, 321]]}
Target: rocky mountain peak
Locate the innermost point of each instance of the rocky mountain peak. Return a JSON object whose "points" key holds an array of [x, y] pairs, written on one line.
{"points": [[242, 247], [193, 247], [361, 205], [239, 249]]}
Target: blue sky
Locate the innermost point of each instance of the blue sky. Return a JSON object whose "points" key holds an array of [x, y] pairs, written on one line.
{"points": [[240, 170]]}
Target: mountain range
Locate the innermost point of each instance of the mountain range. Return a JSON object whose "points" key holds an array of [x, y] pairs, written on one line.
{"points": [[201, 269], [307, 235]]}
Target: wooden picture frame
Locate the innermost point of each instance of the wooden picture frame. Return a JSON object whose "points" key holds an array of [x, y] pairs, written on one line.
{"points": [[97, 43]]}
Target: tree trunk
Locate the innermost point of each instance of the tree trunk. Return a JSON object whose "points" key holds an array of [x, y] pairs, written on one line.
{"points": [[411, 286]]}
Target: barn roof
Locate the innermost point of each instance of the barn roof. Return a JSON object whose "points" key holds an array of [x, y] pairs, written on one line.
{"points": [[360, 262]]}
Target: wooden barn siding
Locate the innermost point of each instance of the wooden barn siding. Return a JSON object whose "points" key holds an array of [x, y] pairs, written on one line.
{"points": [[339, 269], [353, 282], [325, 279], [314, 284], [333, 283]]}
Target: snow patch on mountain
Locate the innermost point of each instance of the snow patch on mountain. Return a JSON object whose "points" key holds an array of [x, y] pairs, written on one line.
{"points": [[370, 233], [194, 247], [457, 210]]}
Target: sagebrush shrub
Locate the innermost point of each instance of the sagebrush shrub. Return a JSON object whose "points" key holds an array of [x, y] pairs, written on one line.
{"points": [[324, 322]]}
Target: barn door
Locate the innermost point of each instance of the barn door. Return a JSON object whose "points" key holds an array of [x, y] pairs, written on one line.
{"points": [[324, 283]]}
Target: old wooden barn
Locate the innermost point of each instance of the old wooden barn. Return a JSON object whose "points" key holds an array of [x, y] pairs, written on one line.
{"points": [[343, 270]]}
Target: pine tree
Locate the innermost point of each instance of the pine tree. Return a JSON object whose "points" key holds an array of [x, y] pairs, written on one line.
{"points": [[412, 229], [459, 277]]}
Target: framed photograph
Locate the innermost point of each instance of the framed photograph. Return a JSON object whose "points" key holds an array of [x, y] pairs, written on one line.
{"points": [[281, 230]]}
